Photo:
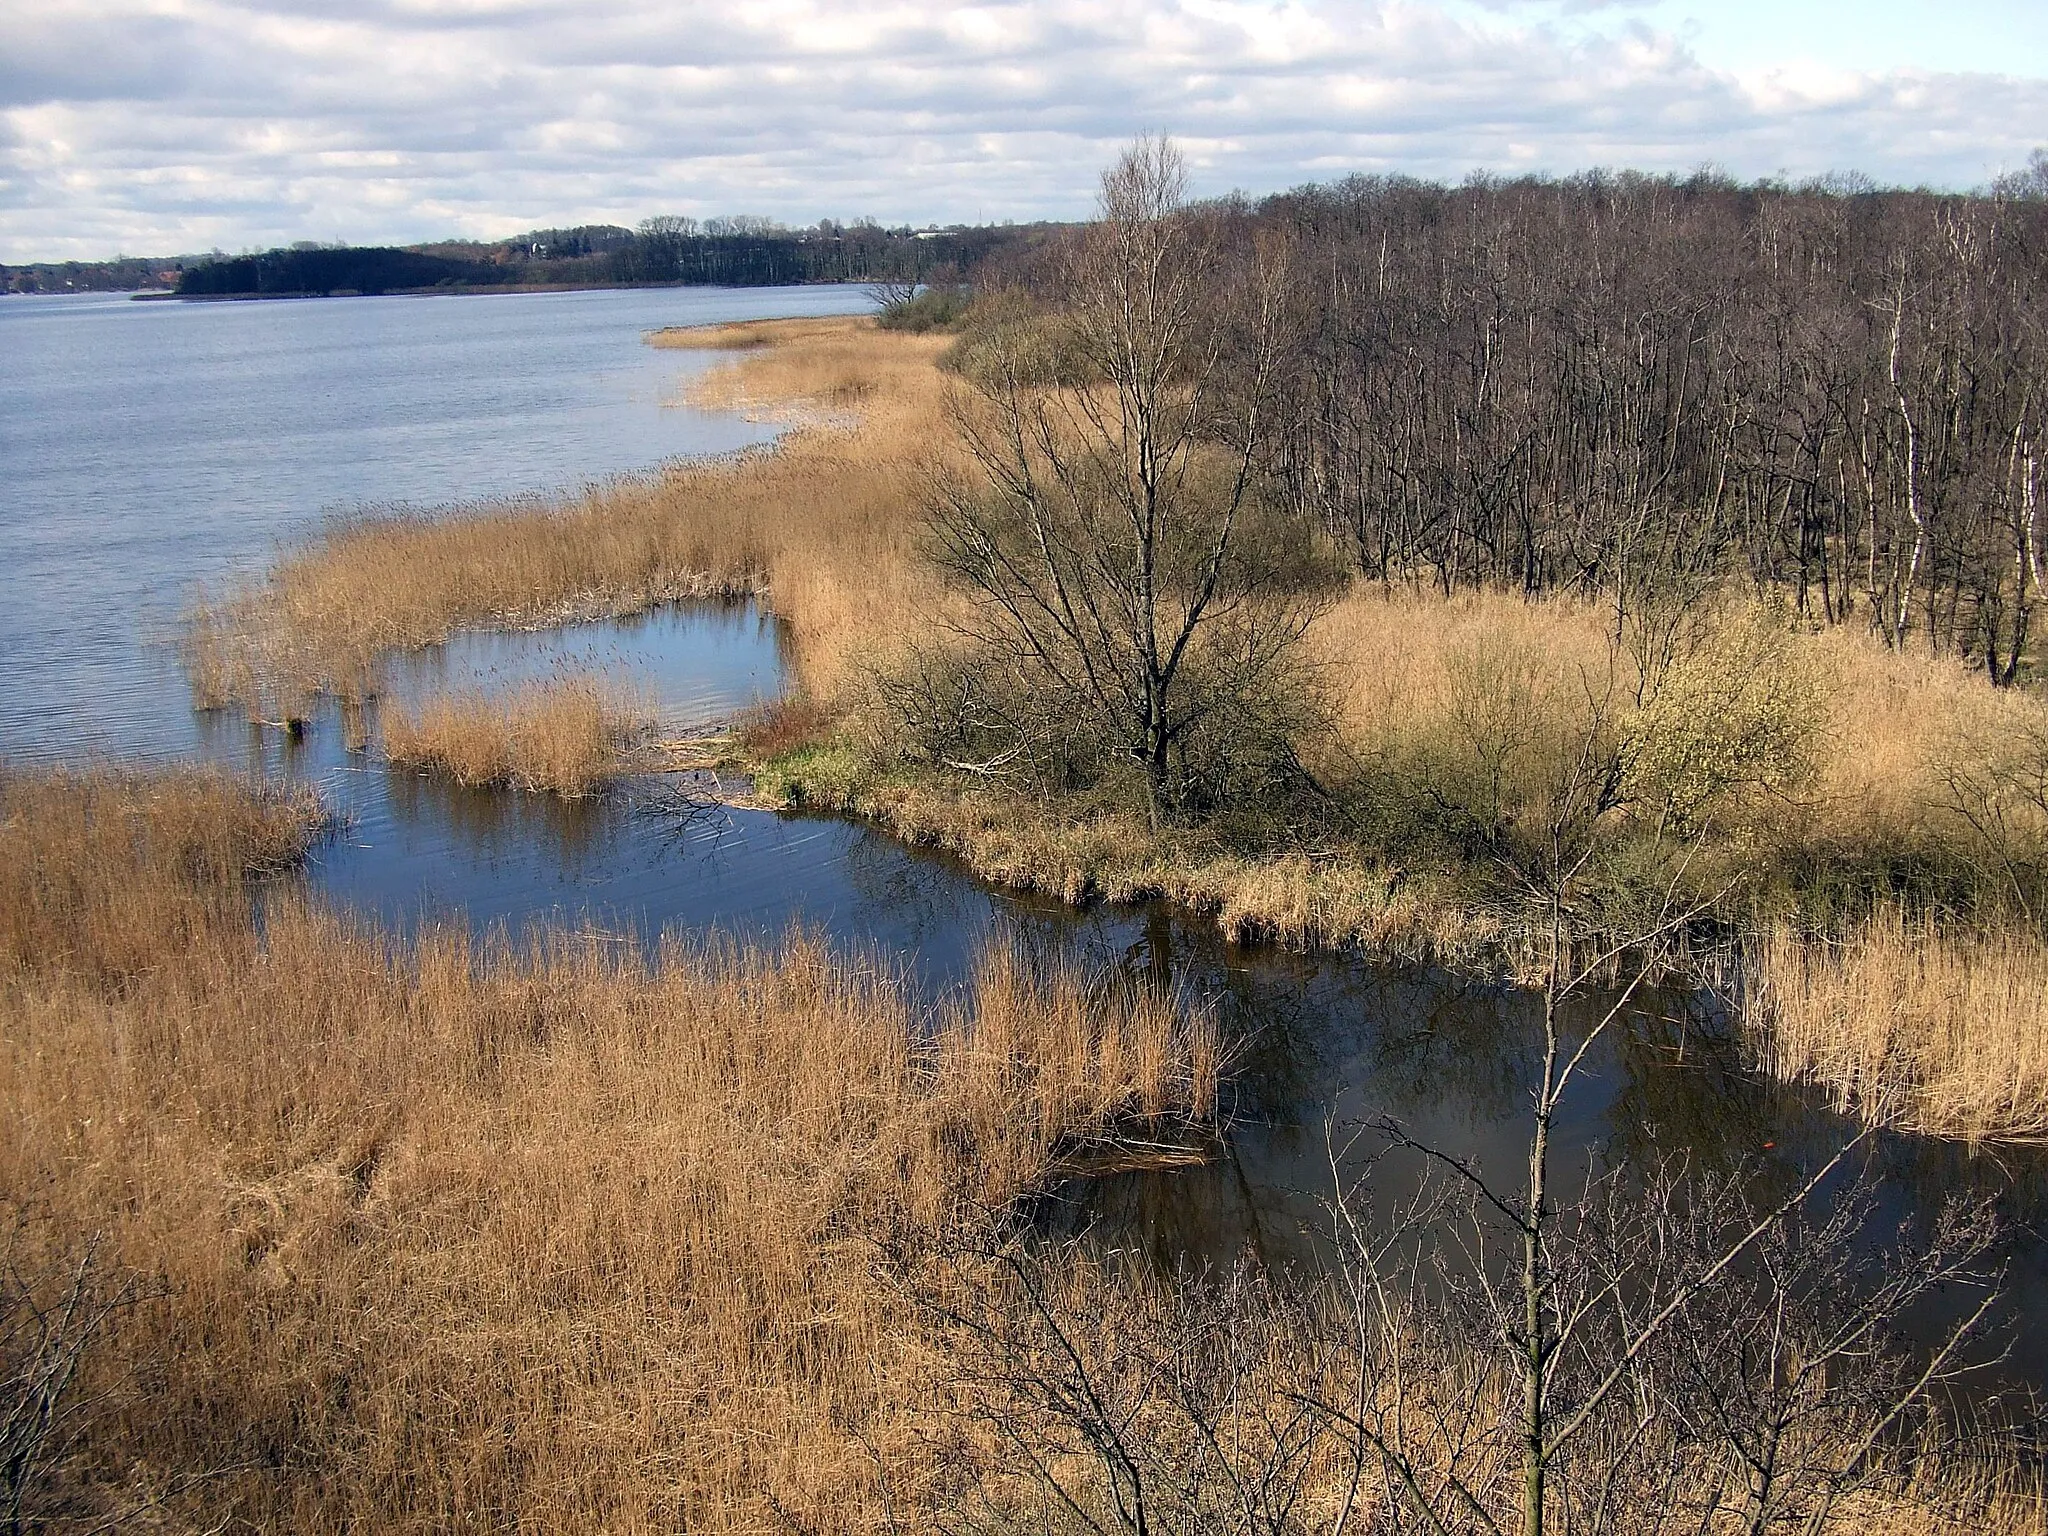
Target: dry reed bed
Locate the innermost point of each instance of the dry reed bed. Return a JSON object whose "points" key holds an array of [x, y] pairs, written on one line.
{"points": [[1889, 732], [1908, 1026], [564, 735], [559, 1236], [819, 524]]}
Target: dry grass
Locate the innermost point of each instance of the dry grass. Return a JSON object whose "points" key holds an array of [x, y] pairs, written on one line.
{"points": [[1878, 800], [735, 336], [71, 844], [452, 1234], [566, 735], [1908, 1026], [821, 527], [1392, 657]]}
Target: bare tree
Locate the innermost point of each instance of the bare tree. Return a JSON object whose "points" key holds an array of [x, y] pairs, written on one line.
{"points": [[1106, 531]]}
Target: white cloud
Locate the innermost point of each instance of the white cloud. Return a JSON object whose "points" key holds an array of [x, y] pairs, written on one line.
{"points": [[166, 125]]}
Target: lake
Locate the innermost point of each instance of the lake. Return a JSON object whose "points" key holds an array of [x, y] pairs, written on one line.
{"points": [[153, 449]]}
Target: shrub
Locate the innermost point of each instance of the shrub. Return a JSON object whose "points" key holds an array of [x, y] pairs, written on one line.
{"points": [[936, 307], [1735, 712]]}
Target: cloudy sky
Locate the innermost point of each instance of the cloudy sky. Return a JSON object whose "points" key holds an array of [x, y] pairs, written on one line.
{"points": [[162, 126]]}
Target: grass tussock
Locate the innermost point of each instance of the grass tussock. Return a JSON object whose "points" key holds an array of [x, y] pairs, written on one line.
{"points": [[1906, 1025], [777, 727], [820, 527], [565, 736], [555, 1236]]}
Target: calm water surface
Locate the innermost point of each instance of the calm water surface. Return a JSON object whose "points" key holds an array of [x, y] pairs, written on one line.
{"points": [[149, 449]]}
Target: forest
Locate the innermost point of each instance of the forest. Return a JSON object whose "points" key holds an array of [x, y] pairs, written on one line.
{"points": [[1616, 382], [737, 253]]}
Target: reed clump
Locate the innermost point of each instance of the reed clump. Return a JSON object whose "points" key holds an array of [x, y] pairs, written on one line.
{"points": [[73, 844], [559, 1234], [1940, 1033], [563, 735]]}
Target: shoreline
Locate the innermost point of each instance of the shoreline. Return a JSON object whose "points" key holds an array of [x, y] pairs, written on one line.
{"points": [[466, 290]]}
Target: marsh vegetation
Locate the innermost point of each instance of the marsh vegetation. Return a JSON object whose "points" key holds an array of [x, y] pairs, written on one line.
{"points": [[565, 735], [1524, 619], [1321, 760], [579, 1234]]}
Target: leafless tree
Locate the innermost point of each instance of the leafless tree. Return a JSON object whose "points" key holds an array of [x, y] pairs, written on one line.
{"points": [[1112, 533], [1616, 383]]}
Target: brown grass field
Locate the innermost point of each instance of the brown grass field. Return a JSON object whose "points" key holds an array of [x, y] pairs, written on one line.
{"points": [[564, 736], [450, 1235], [825, 529]]}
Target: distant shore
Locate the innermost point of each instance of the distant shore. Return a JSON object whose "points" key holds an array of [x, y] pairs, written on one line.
{"points": [[157, 295]]}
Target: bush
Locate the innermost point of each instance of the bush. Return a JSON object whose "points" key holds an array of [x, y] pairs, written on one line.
{"points": [[1735, 713], [987, 715], [938, 307]]}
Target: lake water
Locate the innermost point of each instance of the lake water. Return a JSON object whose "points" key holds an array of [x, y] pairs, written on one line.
{"points": [[151, 449]]}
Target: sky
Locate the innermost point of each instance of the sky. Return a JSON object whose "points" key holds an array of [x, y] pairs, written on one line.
{"points": [[169, 126]]}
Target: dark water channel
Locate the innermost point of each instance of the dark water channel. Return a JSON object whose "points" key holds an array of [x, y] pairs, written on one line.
{"points": [[1325, 1040], [1322, 1042]]}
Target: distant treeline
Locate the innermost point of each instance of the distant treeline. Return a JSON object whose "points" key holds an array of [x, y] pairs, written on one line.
{"points": [[366, 269], [721, 252], [124, 274], [1645, 386]]}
